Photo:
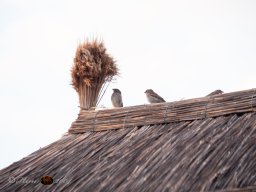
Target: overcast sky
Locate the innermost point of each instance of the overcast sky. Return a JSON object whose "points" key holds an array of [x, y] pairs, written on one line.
{"points": [[179, 48]]}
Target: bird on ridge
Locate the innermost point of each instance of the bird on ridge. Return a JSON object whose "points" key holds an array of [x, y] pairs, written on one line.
{"points": [[216, 92], [153, 97], [116, 98]]}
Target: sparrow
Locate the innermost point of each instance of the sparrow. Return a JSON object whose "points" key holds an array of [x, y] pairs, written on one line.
{"points": [[216, 92], [116, 98], [153, 97]]}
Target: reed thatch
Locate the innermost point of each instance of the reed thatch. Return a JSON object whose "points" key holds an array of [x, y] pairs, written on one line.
{"points": [[206, 154], [92, 68], [199, 108], [200, 155], [244, 189]]}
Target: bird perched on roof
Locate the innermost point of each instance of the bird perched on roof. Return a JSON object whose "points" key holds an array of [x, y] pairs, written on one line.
{"points": [[153, 97], [116, 98], [216, 92]]}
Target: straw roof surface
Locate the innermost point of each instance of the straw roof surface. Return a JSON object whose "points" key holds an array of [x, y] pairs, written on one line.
{"points": [[211, 153]]}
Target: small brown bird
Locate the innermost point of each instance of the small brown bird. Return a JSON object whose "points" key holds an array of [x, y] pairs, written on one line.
{"points": [[153, 97], [116, 98], [216, 92]]}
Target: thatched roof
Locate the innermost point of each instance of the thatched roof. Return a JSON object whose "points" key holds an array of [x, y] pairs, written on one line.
{"points": [[210, 153]]}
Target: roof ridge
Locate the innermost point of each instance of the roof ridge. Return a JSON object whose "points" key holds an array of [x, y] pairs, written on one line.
{"points": [[191, 109]]}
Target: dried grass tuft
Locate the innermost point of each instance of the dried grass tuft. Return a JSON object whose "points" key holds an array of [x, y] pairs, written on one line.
{"points": [[92, 68]]}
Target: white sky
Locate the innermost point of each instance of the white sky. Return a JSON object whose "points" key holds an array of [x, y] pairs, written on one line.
{"points": [[179, 48]]}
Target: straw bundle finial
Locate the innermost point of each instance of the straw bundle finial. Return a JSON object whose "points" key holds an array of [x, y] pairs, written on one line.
{"points": [[92, 68]]}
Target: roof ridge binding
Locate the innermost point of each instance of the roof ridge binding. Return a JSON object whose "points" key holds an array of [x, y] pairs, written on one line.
{"points": [[191, 109]]}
